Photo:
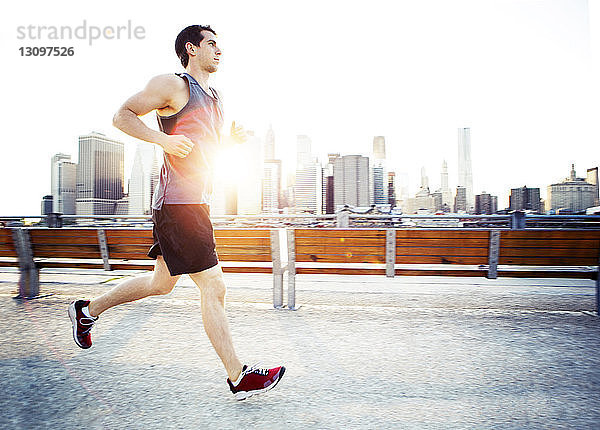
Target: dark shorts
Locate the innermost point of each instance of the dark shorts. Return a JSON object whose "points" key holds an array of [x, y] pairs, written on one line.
{"points": [[183, 235]]}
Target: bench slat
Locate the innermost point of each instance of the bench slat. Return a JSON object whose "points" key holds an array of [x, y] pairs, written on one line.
{"points": [[441, 234], [416, 251]]}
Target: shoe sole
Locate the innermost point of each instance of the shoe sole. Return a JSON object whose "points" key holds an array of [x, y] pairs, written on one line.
{"points": [[73, 316], [243, 395]]}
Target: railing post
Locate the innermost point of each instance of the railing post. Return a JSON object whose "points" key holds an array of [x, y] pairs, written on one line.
{"points": [[291, 243], [343, 219], [29, 276], [493, 254], [54, 220], [390, 252], [517, 220], [277, 272], [598, 289], [103, 248]]}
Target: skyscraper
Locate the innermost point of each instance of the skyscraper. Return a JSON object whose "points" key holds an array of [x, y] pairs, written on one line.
{"points": [[308, 191], [271, 179], [592, 178], [573, 194], [445, 189], [486, 204], [465, 173], [63, 184], [100, 174], [271, 186], [391, 184], [249, 186], [144, 175], [378, 173], [524, 198], [270, 144], [328, 184], [379, 147], [460, 200], [351, 182]]}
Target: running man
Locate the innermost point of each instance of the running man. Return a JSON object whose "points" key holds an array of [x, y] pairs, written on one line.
{"points": [[190, 118]]}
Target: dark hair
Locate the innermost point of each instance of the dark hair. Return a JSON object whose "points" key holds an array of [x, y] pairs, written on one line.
{"points": [[192, 34]]}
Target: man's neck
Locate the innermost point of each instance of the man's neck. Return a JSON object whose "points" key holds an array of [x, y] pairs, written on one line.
{"points": [[201, 76]]}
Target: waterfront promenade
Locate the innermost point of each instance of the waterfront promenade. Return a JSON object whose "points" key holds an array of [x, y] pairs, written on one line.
{"points": [[362, 352]]}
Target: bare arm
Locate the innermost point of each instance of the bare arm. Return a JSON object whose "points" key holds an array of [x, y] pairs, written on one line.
{"points": [[157, 95]]}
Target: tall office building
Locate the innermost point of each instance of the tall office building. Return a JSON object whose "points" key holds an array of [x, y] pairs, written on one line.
{"points": [[460, 200], [391, 184], [144, 176], [100, 175], [63, 184], [271, 186], [271, 178], [351, 182], [270, 144], [379, 147], [465, 173], [592, 178], [249, 186], [328, 184], [47, 204], [573, 194], [486, 204], [445, 189], [308, 191], [378, 172], [525, 199]]}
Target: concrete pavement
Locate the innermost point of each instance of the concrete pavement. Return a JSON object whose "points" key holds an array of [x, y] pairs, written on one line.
{"points": [[362, 352]]}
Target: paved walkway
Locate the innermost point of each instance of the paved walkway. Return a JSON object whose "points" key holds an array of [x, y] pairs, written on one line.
{"points": [[362, 352]]}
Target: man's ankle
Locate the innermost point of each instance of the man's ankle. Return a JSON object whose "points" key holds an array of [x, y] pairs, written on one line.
{"points": [[91, 310], [234, 376]]}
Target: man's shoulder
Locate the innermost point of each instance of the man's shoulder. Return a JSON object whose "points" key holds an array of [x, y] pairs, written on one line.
{"points": [[169, 82]]}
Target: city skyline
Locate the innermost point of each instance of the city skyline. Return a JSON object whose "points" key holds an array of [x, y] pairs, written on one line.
{"points": [[317, 186], [520, 74]]}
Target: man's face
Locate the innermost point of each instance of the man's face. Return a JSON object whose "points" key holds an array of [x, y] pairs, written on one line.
{"points": [[207, 54]]}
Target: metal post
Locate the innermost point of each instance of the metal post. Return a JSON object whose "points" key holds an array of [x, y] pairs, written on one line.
{"points": [[103, 248], [291, 243], [277, 272], [54, 220], [517, 220], [598, 289], [29, 276], [390, 252], [343, 219], [493, 254]]}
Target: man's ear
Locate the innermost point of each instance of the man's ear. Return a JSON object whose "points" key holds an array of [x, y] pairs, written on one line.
{"points": [[190, 48]]}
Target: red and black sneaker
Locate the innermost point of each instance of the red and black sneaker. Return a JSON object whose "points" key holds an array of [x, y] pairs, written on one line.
{"points": [[254, 380], [82, 324]]}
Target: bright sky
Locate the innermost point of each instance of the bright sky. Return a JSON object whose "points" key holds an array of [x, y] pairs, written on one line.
{"points": [[522, 74]]}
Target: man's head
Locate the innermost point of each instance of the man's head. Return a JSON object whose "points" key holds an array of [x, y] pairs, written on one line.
{"points": [[198, 44]]}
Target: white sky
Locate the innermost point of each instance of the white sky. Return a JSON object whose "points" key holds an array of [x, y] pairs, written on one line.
{"points": [[522, 74]]}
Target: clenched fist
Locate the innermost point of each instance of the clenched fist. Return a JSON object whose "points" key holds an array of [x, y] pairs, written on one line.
{"points": [[177, 145]]}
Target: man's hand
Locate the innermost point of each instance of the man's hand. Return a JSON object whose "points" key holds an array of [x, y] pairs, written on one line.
{"points": [[177, 144], [238, 134]]}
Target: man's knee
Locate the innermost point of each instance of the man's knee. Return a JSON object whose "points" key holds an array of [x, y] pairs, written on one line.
{"points": [[162, 286], [211, 282]]}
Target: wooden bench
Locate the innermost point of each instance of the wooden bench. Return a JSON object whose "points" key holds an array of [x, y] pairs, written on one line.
{"points": [[443, 252], [31, 249]]}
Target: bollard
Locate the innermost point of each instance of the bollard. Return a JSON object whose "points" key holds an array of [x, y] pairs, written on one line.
{"points": [[493, 254], [343, 219], [54, 220], [277, 270], [517, 220], [29, 274]]}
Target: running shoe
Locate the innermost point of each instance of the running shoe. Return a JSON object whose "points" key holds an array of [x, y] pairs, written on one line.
{"points": [[254, 380], [82, 324]]}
